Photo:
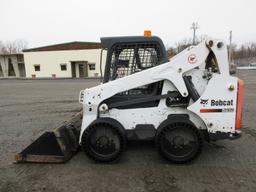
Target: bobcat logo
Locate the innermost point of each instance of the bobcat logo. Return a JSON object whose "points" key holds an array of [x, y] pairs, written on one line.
{"points": [[204, 101]]}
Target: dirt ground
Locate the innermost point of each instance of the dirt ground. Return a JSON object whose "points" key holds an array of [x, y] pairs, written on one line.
{"points": [[29, 107]]}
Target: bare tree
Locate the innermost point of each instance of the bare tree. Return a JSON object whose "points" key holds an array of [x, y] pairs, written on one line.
{"points": [[171, 51], [179, 46], [20, 45], [1, 47], [201, 38], [10, 47], [244, 53]]}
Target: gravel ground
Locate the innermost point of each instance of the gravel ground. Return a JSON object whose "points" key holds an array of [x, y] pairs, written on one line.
{"points": [[29, 107]]}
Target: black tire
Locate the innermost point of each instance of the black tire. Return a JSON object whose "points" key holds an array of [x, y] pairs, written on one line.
{"points": [[179, 142], [103, 142]]}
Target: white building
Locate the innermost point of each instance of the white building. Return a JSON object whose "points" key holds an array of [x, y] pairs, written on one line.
{"points": [[74, 59], [12, 65]]}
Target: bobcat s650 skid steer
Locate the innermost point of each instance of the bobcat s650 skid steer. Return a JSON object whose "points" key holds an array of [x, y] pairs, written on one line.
{"points": [[178, 103]]}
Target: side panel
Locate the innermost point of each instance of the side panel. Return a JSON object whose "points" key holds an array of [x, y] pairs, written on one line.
{"points": [[217, 105], [129, 118]]}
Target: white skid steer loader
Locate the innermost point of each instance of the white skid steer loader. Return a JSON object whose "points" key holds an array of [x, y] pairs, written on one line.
{"points": [[178, 103]]}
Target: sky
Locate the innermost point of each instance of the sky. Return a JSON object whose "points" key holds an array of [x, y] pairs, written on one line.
{"points": [[44, 22]]}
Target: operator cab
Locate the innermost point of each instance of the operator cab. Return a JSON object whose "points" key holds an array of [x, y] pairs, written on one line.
{"points": [[128, 55]]}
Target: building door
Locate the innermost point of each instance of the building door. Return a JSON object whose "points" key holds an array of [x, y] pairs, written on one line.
{"points": [[83, 69], [73, 69], [79, 69], [22, 71]]}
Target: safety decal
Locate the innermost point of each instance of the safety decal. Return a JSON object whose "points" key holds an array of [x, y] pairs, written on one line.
{"points": [[225, 110], [192, 59]]}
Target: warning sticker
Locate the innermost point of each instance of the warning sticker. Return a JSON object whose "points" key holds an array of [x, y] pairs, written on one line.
{"points": [[192, 59]]}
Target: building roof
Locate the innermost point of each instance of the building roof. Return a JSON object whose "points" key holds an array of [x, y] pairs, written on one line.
{"points": [[75, 45]]}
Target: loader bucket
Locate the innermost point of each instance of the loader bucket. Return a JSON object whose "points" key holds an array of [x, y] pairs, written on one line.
{"points": [[56, 146]]}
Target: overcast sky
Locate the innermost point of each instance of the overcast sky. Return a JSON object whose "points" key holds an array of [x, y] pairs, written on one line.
{"points": [[43, 22]]}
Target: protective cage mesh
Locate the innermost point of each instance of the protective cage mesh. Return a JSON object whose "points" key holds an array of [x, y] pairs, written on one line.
{"points": [[131, 58]]}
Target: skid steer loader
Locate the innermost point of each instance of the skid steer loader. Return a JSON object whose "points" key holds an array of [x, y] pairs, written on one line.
{"points": [[178, 103]]}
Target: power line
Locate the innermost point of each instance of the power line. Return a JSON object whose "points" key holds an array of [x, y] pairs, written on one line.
{"points": [[194, 27]]}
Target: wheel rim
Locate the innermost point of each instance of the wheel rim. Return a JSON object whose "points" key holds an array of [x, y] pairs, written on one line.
{"points": [[104, 141], [179, 142]]}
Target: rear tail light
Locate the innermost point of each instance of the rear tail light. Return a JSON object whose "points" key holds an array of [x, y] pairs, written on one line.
{"points": [[239, 103]]}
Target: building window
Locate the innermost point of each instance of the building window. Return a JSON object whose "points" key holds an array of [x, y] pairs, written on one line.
{"points": [[63, 67], [37, 67], [92, 66]]}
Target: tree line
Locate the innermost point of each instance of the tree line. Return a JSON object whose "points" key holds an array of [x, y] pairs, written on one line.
{"points": [[11, 47], [244, 51], [241, 52], [247, 50]]}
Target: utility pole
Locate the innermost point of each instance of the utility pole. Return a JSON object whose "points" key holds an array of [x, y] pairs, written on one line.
{"points": [[230, 46], [194, 27]]}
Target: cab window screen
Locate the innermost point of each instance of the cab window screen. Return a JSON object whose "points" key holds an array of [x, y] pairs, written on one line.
{"points": [[132, 58], [128, 59]]}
